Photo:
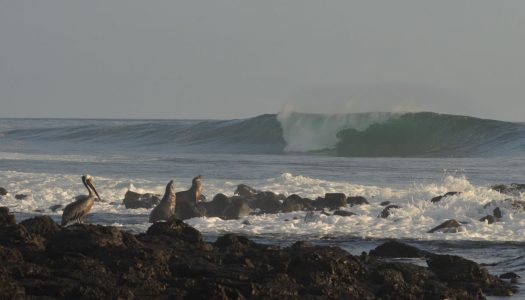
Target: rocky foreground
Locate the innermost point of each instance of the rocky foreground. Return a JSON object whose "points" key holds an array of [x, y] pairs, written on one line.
{"points": [[41, 260]]}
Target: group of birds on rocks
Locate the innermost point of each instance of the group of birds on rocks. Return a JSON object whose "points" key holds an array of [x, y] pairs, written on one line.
{"points": [[164, 211]]}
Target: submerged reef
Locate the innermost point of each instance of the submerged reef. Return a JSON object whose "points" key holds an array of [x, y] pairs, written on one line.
{"points": [[41, 260]]}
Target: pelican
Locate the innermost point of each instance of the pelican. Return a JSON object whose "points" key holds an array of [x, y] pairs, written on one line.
{"points": [[166, 208], [75, 211], [194, 193]]}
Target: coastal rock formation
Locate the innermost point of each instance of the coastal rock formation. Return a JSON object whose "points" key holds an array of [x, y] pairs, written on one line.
{"points": [[356, 200], [449, 226], [3, 191], [512, 189], [21, 196], [171, 260], [385, 213], [448, 194], [136, 200], [332, 201]]}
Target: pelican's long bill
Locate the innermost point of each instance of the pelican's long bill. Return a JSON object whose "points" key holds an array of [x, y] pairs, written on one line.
{"points": [[93, 187]]}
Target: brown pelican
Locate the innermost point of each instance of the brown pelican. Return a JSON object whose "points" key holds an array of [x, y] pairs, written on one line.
{"points": [[166, 208], [194, 193], [75, 212]]}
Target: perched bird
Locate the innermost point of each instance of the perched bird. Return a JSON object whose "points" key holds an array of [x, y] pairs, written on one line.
{"points": [[166, 208], [75, 211]]}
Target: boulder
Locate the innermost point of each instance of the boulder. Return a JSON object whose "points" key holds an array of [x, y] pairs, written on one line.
{"points": [[488, 218], [266, 202], [384, 203], [448, 194], [397, 249], [296, 203], [134, 200], [41, 225], [21, 196], [238, 208], [3, 191], [513, 189], [449, 226], [385, 213], [175, 229], [215, 207], [332, 201], [497, 213], [6, 219], [343, 213], [356, 200]]}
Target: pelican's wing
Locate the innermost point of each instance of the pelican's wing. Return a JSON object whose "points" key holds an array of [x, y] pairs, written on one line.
{"points": [[75, 210]]}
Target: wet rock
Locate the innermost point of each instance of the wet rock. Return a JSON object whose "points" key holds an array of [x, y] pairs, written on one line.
{"points": [[384, 203], [215, 207], [465, 274], [343, 213], [513, 189], [56, 207], [134, 200], [332, 201], [186, 210], [238, 208], [42, 225], [267, 203], [296, 203], [449, 226], [356, 200], [246, 222], [497, 213], [6, 219], [488, 218], [245, 191], [385, 213], [21, 196], [175, 229], [448, 194], [398, 250], [3, 191], [511, 276]]}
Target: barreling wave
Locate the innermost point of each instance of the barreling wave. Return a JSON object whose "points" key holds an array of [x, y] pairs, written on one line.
{"points": [[364, 134]]}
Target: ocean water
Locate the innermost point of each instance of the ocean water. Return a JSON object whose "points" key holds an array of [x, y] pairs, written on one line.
{"points": [[403, 158]]}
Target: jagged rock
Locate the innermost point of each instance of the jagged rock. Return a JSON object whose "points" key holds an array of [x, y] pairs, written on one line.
{"points": [[398, 250], [266, 202], [343, 213], [448, 194], [136, 200], [3, 191], [6, 219], [449, 226], [41, 225], [332, 201], [356, 200], [176, 229], [21, 196], [385, 213], [512, 189], [238, 208], [245, 191]]}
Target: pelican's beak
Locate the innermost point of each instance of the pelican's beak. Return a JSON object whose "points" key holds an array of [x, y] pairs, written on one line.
{"points": [[93, 187]]}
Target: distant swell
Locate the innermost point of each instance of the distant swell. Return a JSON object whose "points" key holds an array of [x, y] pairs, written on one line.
{"points": [[365, 134]]}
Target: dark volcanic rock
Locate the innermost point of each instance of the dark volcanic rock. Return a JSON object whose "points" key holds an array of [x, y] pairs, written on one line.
{"points": [[296, 203], [171, 261], [21, 196], [497, 213], [332, 201], [245, 191], [266, 202], [343, 213], [449, 226], [356, 200], [215, 207], [490, 219], [238, 208], [42, 225], [3, 191], [512, 189], [384, 203], [448, 194], [385, 213], [398, 250], [6, 219], [136, 200]]}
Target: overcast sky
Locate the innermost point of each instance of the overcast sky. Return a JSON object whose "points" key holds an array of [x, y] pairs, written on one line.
{"points": [[231, 59]]}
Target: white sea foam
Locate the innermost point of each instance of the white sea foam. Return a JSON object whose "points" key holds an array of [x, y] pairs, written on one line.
{"points": [[416, 216]]}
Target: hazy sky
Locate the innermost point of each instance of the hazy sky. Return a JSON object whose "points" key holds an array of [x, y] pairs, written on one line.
{"points": [[229, 59]]}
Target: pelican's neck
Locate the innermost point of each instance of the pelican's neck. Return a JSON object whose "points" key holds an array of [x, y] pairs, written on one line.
{"points": [[84, 181]]}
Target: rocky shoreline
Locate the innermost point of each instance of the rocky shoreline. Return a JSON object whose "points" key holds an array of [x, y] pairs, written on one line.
{"points": [[41, 260]]}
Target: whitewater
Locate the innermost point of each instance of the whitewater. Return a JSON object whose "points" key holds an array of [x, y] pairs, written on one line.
{"points": [[406, 159]]}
